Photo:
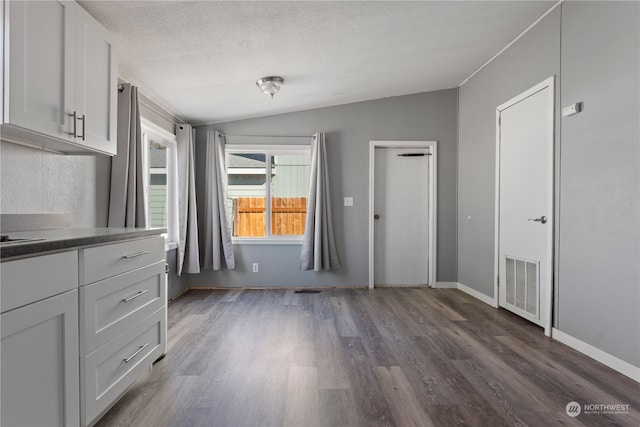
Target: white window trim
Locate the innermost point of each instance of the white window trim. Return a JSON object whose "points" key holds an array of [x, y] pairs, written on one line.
{"points": [[269, 150], [150, 129]]}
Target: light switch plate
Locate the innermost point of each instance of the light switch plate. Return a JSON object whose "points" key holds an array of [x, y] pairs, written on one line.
{"points": [[348, 201]]}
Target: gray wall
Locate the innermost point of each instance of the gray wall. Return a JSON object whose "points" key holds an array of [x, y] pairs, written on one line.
{"points": [[176, 285], [592, 48], [35, 181], [158, 115], [349, 128], [533, 58], [599, 253]]}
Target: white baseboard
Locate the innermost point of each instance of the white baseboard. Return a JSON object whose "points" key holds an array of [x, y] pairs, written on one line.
{"points": [[605, 358], [478, 295], [446, 285]]}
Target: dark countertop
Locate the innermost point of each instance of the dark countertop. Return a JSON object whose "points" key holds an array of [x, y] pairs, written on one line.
{"points": [[67, 239]]}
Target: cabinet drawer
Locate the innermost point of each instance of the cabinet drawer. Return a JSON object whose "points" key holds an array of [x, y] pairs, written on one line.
{"points": [[110, 370], [110, 260], [32, 279], [110, 306]]}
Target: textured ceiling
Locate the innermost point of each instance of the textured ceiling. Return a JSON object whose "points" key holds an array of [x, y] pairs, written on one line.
{"points": [[200, 59]]}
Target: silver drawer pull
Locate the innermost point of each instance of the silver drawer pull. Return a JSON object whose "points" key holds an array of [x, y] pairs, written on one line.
{"points": [[84, 132], [134, 255], [128, 359], [135, 296], [75, 127]]}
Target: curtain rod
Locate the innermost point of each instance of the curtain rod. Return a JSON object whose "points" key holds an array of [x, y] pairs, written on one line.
{"points": [[267, 136], [163, 114]]}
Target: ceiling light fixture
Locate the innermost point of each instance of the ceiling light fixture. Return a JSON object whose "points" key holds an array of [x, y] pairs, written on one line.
{"points": [[270, 85]]}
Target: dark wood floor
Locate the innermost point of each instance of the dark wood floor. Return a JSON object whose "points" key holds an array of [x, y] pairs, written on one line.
{"points": [[387, 357]]}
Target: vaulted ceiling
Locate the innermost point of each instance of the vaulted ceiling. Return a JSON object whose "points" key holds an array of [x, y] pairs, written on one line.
{"points": [[200, 59]]}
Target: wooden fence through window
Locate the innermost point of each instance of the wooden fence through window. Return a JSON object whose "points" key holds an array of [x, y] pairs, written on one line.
{"points": [[289, 215]]}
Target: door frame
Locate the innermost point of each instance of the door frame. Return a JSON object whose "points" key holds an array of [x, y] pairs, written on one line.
{"points": [[548, 302], [433, 198]]}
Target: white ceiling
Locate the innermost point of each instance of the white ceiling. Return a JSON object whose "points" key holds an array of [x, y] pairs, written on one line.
{"points": [[200, 59]]}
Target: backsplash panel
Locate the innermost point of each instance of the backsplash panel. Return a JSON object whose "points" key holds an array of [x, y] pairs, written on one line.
{"points": [[35, 181], [11, 223]]}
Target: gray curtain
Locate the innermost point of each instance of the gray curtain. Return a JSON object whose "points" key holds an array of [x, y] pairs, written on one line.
{"points": [[318, 244], [188, 256], [218, 248], [126, 200]]}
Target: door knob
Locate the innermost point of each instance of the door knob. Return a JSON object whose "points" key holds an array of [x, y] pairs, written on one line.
{"points": [[376, 216], [542, 219]]}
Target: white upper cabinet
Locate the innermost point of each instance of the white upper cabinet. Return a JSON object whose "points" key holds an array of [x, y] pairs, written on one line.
{"points": [[40, 66], [60, 80], [96, 84]]}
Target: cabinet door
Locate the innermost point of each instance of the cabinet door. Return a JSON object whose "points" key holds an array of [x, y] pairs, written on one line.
{"points": [[41, 84], [40, 363], [96, 89]]}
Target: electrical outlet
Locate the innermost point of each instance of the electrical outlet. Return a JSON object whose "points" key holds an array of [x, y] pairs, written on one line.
{"points": [[256, 267], [348, 201]]}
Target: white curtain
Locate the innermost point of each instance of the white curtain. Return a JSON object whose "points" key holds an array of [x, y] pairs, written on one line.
{"points": [[127, 201], [218, 248], [318, 244], [188, 253]]}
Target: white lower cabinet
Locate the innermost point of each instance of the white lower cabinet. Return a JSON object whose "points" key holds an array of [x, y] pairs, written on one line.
{"points": [[123, 320], [78, 329], [40, 363]]}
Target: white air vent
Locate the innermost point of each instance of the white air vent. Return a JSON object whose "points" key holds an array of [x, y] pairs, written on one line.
{"points": [[523, 284]]}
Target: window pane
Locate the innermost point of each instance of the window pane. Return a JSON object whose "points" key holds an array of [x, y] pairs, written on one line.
{"points": [[289, 189], [246, 192], [157, 184]]}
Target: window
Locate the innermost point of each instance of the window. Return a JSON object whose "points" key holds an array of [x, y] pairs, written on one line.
{"points": [[160, 163], [267, 192], [158, 200]]}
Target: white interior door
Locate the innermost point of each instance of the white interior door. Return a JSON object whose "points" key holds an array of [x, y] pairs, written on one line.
{"points": [[525, 203], [401, 212]]}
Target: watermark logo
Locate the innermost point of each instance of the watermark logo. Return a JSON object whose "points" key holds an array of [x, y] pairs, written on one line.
{"points": [[605, 408], [573, 409]]}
